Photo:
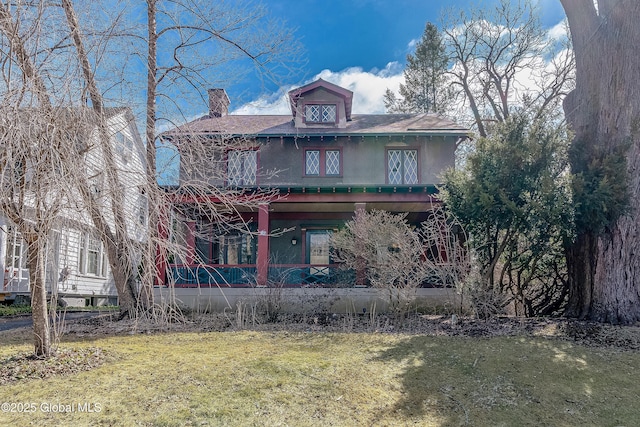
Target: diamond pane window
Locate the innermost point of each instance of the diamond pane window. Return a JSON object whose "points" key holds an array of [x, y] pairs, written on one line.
{"points": [[332, 162], [410, 167], [312, 113], [242, 167], [395, 167], [315, 113], [328, 113], [312, 162], [403, 166]]}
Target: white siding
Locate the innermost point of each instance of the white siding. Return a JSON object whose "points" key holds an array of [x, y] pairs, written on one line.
{"points": [[74, 220]]}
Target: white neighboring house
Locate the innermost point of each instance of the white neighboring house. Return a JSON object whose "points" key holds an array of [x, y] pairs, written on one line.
{"points": [[77, 265]]}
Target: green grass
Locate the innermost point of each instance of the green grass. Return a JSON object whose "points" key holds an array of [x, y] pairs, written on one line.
{"points": [[322, 379], [11, 310]]}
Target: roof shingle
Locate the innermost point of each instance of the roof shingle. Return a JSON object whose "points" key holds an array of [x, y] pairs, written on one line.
{"points": [[361, 124]]}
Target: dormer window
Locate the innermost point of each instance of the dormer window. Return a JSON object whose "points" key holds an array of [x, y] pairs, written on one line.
{"points": [[320, 113]]}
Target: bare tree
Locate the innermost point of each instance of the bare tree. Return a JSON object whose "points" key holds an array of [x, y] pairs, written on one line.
{"points": [[241, 33], [188, 29], [32, 134], [499, 63], [603, 113], [393, 255], [123, 253]]}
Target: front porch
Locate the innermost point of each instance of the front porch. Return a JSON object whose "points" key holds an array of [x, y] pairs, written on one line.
{"points": [[285, 242]]}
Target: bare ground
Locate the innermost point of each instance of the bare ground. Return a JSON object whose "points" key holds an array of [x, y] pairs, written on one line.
{"points": [[582, 332]]}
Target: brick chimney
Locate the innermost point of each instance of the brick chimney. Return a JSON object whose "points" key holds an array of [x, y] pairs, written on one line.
{"points": [[218, 103]]}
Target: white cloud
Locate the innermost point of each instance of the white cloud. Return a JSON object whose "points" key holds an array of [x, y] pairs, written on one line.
{"points": [[558, 31], [369, 86], [368, 89]]}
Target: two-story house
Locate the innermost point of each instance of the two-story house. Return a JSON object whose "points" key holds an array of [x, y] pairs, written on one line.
{"points": [[77, 267], [325, 164]]}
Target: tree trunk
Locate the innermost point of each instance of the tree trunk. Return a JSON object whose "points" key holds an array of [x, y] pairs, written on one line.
{"points": [[581, 261], [36, 266], [124, 280], [121, 256], [155, 200], [604, 113]]}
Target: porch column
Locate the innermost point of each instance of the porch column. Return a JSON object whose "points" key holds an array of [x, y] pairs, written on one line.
{"points": [[263, 244], [191, 243], [360, 266]]}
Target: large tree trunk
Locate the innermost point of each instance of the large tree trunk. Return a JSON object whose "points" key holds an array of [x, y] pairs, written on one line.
{"points": [[36, 266], [604, 113]]}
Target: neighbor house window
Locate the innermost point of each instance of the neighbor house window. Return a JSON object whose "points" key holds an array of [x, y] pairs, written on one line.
{"points": [[92, 259], [124, 146], [403, 166], [96, 184], [142, 206], [16, 249], [242, 167], [322, 162], [317, 113]]}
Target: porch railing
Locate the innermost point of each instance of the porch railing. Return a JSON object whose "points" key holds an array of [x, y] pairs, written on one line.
{"points": [[279, 275], [285, 275]]}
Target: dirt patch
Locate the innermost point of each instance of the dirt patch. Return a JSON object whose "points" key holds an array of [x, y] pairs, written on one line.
{"points": [[25, 366]]}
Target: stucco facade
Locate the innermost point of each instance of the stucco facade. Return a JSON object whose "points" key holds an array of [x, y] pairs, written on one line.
{"points": [[324, 163]]}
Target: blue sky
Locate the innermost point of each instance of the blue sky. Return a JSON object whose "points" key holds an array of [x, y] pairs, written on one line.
{"points": [[360, 43]]}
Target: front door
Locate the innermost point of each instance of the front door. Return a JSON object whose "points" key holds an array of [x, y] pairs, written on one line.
{"points": [[318, 251]]}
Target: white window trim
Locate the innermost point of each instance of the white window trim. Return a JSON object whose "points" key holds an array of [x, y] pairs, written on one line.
{"points": [[321, 113], [83, 258]]}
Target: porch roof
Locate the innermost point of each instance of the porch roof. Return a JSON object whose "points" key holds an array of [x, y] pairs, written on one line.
{"points": [[407, 198]]}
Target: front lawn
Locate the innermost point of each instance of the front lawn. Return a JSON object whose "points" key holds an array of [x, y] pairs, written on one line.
{"points": [[328, 379]]}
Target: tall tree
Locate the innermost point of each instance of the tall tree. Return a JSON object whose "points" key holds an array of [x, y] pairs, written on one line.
{"points": [[35, 137], [426, 89], [604, 113], [121, 253], [497, 54], [186, 45]]}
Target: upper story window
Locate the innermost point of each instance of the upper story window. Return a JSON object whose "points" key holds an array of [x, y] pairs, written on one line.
{"points": [[322, 162], [241, 167], [402, 166], [124, 146], [320, 113]]}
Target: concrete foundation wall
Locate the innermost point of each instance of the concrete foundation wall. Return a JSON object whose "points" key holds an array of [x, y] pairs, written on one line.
{"points": [[303, 300]]}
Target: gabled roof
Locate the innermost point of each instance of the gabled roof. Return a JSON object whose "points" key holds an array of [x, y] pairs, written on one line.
{"points": [[343, 93], [360, 125]]}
